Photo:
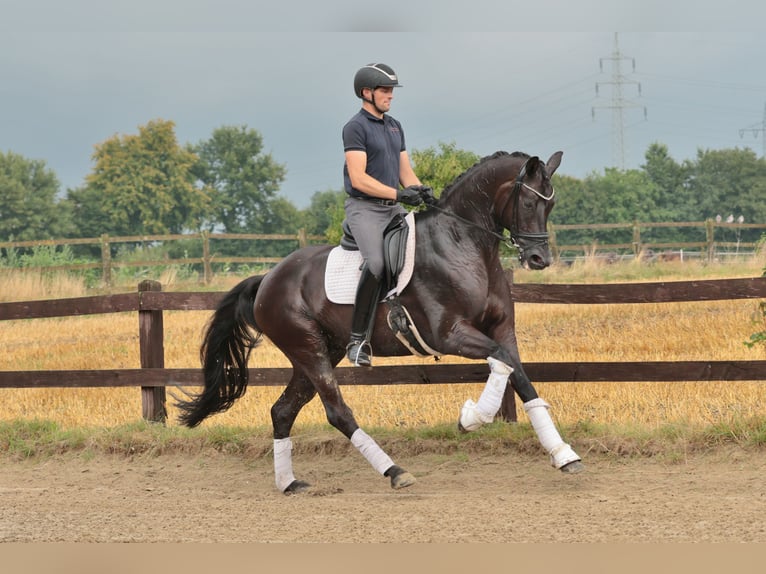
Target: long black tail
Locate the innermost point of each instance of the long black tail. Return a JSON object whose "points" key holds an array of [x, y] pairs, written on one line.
{"points": [[226, 348]]}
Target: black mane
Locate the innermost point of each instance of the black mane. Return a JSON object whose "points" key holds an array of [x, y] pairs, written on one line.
{"points": [[478, 165]]}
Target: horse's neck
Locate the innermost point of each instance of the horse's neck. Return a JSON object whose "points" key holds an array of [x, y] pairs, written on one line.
{"points": [[465, 224], [475, 207]]}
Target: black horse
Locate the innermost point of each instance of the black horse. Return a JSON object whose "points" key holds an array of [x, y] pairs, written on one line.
{"points": [[458, 298]]}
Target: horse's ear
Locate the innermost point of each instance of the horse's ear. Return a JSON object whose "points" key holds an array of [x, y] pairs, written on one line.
{"points": [[554, 162], [532, 165]]}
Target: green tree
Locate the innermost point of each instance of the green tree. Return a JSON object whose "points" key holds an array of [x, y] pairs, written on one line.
{"points": [[729, 182], [439, 167], [672, 198], [28, 206], [241, 180], [615, 197], [322, 213], [140, 184], [571, 201]]}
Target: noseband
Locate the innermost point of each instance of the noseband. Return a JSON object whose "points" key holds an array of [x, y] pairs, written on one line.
{"points": [[521, 240]]}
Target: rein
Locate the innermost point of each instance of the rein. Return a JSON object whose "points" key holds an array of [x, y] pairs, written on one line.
{"points": [[508, 240]]}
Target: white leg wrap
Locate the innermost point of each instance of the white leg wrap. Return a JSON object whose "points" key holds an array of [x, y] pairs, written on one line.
{"points": [[283, 463], [561, 453], [475, 415], [379, 460]]}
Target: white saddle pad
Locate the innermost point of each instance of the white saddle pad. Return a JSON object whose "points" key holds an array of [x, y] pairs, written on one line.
{"points": [[342, 272]]}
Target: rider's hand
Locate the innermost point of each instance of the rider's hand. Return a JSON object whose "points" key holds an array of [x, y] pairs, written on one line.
{"points": [[427, 194], [410, 195]]}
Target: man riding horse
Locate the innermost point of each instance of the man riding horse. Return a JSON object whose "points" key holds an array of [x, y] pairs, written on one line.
{"points": [[376, 166], [458, 295]]}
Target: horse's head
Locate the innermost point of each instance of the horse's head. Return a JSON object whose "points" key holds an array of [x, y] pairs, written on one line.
{"points": [[522, 206]]}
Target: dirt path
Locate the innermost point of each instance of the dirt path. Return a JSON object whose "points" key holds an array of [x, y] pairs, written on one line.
{"points": [[482, 498]]}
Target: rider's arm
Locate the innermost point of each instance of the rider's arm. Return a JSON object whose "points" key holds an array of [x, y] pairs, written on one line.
{"points": [[356, 161]]}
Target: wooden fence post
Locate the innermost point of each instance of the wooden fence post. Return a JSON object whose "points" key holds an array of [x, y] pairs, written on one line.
{"points": [[106, 260], [636, 239], [552, 242], [207, 269], [152, 351], [303, 239], [710, 239], [507, 411]]}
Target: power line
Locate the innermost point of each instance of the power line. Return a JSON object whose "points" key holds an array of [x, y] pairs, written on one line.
{"points": [[756, 129], [618, 103]]}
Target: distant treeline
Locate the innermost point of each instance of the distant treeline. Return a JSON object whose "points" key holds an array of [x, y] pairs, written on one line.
{"points": [[149, 184]]}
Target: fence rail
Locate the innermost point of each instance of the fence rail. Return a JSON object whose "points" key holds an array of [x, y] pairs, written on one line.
{"points": [[637, 245], [150, 302], [105, 242]]}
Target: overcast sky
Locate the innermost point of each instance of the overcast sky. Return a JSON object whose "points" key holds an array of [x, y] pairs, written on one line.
{"points": [[75, 73]]}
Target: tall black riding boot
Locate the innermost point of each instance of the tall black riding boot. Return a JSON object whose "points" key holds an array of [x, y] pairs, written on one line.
{"points": [[367, 294]]}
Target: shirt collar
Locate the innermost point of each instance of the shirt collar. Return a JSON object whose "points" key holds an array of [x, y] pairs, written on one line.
{"points": [[369, 116]]}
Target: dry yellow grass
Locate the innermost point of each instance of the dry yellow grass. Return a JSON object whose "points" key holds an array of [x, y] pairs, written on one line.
{"points": [[651, 332]]}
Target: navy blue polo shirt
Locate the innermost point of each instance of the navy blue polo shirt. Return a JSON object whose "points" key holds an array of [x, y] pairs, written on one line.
{"points": [[382, 140]]}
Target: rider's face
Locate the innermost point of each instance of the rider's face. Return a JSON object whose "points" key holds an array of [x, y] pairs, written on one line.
{"points": [[382, 97]]}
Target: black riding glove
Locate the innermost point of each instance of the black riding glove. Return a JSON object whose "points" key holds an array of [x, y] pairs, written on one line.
{"points": [[427, 194], [410, 195]]}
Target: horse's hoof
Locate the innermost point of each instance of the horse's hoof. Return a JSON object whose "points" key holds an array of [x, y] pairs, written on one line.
{"points": [[573, 467], [470, 419], [296, 487], [400, 478]]}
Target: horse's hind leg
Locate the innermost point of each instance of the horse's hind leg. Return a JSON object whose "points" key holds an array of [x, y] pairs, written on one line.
{"points": [[297, 394], [339, 415], [300, 390]]}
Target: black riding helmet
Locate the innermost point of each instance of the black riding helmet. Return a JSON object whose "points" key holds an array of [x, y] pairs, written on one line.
{"points": [[374, 76]]}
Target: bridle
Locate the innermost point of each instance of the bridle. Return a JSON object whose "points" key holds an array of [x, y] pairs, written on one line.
{"points": [[518, 239], [521, 240]]}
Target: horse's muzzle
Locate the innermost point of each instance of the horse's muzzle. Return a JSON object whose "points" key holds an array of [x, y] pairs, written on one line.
{"points": [[534, 251]]}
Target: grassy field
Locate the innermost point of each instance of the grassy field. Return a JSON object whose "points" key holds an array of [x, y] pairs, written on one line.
{"points": [[651, 332]]}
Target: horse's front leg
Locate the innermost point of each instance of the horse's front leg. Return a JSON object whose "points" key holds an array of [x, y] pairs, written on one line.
{"points": [[504, 363]]}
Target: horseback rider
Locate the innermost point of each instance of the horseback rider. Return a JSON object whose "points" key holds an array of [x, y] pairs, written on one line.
{"points": [[377, 177]]}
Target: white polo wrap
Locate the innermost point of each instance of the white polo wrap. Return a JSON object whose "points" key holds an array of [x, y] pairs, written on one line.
{"points": [[474, 415], [283, 463], [379, 460], [561, 453]]}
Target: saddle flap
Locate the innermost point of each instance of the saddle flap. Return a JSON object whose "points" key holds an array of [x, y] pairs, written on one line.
{"points": [[347, 240], [395, 249]]}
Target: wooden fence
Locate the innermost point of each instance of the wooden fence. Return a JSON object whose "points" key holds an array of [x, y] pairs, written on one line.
{"points": [[706, 249], [106, 242], [150, 302]]}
